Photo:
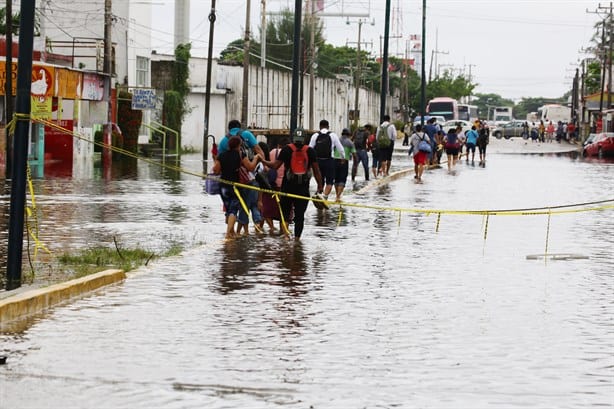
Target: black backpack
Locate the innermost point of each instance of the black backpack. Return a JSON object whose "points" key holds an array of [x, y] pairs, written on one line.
{"points": [[324, 145], [360, 139]]}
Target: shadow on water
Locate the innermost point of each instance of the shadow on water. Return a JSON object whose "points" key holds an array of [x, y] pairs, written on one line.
{"points": [[247, 261]]}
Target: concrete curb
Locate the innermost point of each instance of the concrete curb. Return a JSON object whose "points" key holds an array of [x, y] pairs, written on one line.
{"points": [[28, 303]]}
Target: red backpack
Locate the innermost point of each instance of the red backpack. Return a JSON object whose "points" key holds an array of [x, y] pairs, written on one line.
{"points": [[299, 170]]}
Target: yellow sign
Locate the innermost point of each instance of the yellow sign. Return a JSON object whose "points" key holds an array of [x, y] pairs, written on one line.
{"points": [[41, 107]]}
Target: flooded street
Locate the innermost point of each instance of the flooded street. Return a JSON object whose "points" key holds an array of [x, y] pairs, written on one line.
{"points": [[373, 308]]}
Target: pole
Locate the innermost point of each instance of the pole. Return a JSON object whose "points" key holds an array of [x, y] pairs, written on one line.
{"points": [[8, 89], [107, 68], [208, 86], [245, 66], [423, 79], [357, 81], [296, 53], [603, 66], [384, 87], [263, 34], [312, 54], [18, 183], [610, 60]]}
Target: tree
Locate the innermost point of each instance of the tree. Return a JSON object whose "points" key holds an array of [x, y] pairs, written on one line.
{"points": [[15, 23], [175, 101], [447, 85]]}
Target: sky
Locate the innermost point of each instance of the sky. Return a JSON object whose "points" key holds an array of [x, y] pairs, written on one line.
{"points": [[514, 48]]}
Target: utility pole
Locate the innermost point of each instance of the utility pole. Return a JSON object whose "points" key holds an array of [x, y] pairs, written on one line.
{"points": [[384, 86], [20, 149], [358, 70], [246, 44], [423, 79], [8, 89], [263, 34], [208, 90], [296, 52], [107, 68], [312, 60]]}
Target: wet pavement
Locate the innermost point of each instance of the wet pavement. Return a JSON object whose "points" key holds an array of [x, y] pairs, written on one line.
{"points": [[373, 308]]}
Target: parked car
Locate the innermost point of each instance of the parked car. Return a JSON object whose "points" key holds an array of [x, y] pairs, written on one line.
{"points": [[601, 146], [509, 130], [453, 123], [589, 139]]}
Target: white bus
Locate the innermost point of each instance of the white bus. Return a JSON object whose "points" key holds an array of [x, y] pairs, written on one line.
{"points": [[468, 112], [502, 114], [554, 113]]}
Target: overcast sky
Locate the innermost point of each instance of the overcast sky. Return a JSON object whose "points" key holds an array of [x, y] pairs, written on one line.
{"points": [[514, 48]]}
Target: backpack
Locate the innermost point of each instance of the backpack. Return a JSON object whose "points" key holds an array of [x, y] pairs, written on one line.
{"points": [[324, 145], [360, 139], [371, 142], [424, 146], [298, 171], [245, 150], [383, 141]]}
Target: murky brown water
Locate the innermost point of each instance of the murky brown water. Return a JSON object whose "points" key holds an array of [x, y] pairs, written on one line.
{"points": [[369, 310]]}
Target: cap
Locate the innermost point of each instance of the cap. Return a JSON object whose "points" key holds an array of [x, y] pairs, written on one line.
{"points": [[346, 132], [298, 136]]}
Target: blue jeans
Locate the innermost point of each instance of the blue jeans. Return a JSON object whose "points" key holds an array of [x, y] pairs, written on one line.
{"points": [[250, 197], [361, 157]]}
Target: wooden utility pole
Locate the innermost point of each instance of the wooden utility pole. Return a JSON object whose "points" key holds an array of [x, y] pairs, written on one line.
{"points": [[246, 43]]}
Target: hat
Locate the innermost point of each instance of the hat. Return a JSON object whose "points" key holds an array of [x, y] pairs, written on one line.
{"points": [[346, 132], [298, 136]]}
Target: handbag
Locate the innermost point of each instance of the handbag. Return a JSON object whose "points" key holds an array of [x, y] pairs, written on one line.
{"points": [[245, 176], [212, 184]]}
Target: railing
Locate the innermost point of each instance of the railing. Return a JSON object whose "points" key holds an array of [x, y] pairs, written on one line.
{"points": [[177, 138]]}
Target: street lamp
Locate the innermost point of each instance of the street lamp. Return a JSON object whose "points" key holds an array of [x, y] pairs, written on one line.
{"points": [[358, 68]]}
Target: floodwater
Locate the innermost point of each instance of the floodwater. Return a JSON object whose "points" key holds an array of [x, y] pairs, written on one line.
{"points": [[373, 308]]}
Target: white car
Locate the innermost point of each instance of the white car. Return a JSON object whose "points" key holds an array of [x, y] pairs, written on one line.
{"points": [[466, 125], [438, 119]]}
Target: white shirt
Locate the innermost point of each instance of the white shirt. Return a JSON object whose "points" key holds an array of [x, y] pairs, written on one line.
{"points": [[336, 143]]}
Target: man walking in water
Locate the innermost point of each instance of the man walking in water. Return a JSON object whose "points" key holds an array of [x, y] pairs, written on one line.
{"points": [[324, 143], [300, 162], [386, 131]]}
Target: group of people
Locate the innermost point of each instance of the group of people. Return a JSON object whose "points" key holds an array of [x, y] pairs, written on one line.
{"points": [[287, 168], [561, 131], [325, 156]]}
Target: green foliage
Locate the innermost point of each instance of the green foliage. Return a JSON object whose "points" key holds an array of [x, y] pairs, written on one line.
{"points": [[175, 105], [173, 109], [15, 23], [592, 79], [449, 86], [279, 43], [181, 69], [93, 260]]}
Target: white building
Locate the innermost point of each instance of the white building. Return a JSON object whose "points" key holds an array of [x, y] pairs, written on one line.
{"points": [[77, 28]]}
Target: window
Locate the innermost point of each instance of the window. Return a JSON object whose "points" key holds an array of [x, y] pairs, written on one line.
{"points": [[142, 71]]}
